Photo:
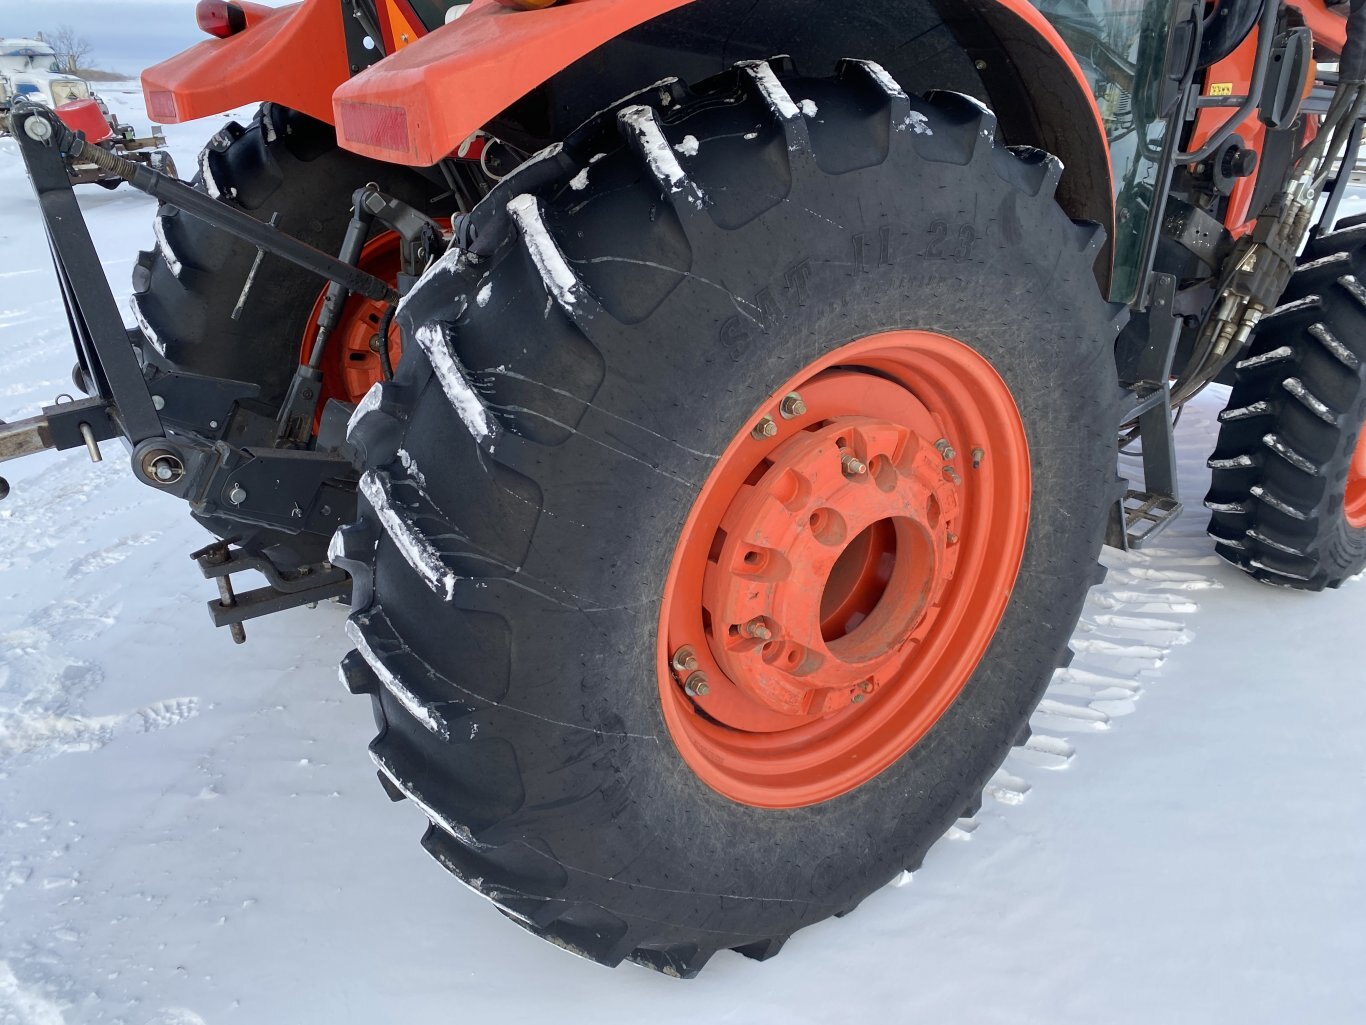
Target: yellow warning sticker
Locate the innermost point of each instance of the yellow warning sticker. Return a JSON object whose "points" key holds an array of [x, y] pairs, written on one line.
{"points": [[1221, 89]]}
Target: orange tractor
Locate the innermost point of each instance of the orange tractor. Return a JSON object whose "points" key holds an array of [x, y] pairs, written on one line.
{"points": [[709, 408]]}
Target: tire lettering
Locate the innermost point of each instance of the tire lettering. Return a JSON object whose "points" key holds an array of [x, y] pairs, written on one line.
{"points": [[939, 234]]}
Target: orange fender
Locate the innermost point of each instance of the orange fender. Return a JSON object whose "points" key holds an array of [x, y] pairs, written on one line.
{"points": [[418, 105], [295, 56]]}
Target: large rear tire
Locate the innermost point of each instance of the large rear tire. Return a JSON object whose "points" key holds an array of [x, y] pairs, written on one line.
{"points": [[635, 306]]}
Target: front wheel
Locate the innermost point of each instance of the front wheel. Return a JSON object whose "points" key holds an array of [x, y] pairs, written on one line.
{"points": [[732, 510]]}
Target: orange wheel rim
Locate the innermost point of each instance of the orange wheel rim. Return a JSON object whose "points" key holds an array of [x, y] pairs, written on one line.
{"points": [[843, 569], [1355, 503], [351, 364]]}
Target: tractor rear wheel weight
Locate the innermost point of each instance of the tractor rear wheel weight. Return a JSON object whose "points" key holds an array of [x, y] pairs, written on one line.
{"points": [[1288, 491], [566, 392]]}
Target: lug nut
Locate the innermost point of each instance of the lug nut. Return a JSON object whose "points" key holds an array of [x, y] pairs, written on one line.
{"points": [[685, 660], [853, 466], [792, 406], [696, 686], [758, 629], [375, 343], [765, 429], [951, 474], [951, 538], [978, 454], [858, 698], [945, 449]]}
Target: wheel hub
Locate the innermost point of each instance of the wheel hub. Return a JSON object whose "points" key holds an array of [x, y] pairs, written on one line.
{"points": [[843, 569], [1355, 502], [860, 495]]}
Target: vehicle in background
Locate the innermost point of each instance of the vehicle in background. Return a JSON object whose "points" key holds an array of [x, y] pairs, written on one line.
{"points": [[29, 70]]}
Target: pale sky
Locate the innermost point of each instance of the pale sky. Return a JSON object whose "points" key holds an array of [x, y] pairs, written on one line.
{"points": [[127, 35]]}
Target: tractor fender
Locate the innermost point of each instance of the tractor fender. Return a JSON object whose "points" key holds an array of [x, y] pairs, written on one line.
{"points": [[294, 56], [418, 105]]}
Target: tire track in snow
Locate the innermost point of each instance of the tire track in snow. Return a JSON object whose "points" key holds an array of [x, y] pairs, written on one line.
{"points": [[1129, 627]]}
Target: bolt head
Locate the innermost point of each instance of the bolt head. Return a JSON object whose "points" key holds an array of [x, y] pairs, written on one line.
{"points": [[853, 466], [792, 406], [978, 454], [685, 659], [163, 471], [237, 495], [858, 698], [758, 629], [765, 428], [696, 686]]}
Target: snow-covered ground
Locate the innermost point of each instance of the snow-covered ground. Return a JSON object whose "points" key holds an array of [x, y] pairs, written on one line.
{"points": [[192, 832]]}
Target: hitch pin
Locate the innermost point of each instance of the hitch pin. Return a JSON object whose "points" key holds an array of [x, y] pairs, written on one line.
{"points": [[90, 444], [229, 601]]}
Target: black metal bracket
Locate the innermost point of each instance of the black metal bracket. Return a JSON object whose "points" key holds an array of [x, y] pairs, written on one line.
{"points": [[1139, 516], [307, 585], [108, 362]]}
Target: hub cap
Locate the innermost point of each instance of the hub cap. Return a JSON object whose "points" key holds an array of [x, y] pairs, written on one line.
{"points": [[843, 569]]}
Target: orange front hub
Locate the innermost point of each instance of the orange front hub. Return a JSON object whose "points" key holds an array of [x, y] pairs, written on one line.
{"points": [[1355, 506], [844, 569]]}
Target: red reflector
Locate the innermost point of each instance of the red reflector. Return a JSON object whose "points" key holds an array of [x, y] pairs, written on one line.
{"points": [[375, 124], [220, 18], [161, 106]]}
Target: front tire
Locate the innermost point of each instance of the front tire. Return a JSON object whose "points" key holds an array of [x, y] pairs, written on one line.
{"points": [[1288, 491], [633, 306]]}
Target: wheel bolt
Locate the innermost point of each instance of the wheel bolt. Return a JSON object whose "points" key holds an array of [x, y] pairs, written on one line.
{"points": [[853, 466], [945, 449], [696, 686], [951, 474], [951, 538], [685, 659], [978, 454], [792, 406], [375, 343], [765, 428], [758, 629], [858, 698]]}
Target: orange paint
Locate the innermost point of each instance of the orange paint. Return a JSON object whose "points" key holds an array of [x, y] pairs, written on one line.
{"points": [[838, 581], [400, 25], [459, 77], [351, 365], [294, 56], [1355, 503]]}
